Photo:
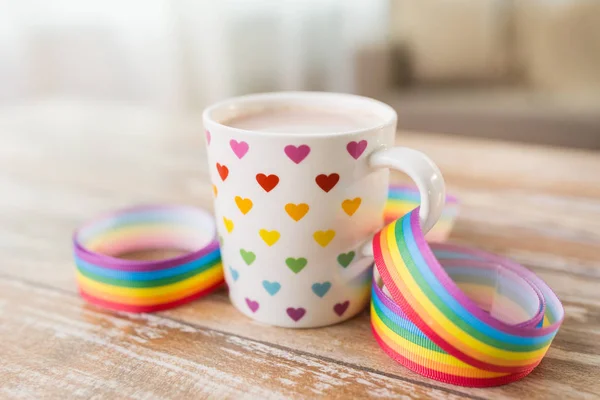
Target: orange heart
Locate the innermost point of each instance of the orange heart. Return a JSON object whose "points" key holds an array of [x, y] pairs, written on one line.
{"points": [[215, 190], [350, 206], [324, 237], [228, 224], [270, 237], [244, 205], [296, 211]]}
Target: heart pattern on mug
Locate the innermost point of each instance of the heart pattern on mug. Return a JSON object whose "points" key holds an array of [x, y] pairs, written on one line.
{"points": [[324, 237], [247, 256], [296, 264], [252, 305], [228, 224], [245, 205], [296, 211], [267, 182], [207, 133], [296, 313], [327, 182], [340, 308], [350, 206], [355, 149], [234, 274], [345, 259], [271, 287], [269, 237], [239, 148], [297, 153], [321, 289], [223, 171]]}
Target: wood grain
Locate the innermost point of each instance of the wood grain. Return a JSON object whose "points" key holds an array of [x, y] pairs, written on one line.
{"points": [[62, 163], [66, 348]]}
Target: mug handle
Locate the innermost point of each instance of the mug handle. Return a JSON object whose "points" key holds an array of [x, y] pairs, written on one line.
{"points": [[423, 172], [430, 182]]}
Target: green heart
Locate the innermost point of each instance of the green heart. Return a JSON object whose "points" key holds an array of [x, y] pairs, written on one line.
{"points": [[248, 256], [346, 258], [296, 264]]}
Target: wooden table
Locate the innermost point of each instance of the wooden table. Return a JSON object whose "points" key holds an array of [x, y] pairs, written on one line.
{"points": [[61, 164]]}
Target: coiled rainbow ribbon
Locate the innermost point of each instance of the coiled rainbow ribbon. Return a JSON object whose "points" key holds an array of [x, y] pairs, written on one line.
{"points": [[147, 286], [450, 313], [455, 314]]}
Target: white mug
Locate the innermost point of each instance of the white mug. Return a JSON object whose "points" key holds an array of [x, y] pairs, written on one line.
{"points": [[294, 210]]}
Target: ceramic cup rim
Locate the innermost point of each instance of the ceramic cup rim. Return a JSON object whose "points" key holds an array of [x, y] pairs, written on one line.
{"points": [[342, 101]]}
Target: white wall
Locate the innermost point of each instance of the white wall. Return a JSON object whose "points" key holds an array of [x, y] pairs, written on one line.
{"points": [[182, 53]]}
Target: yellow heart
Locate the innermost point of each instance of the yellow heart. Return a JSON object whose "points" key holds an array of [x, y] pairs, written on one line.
{"points": [[350, 206], [296, 211], [324, 237], [244, 205], [228, 224], [215, 191], [270, 237]]}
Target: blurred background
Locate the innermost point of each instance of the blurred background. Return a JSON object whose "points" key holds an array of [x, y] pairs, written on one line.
{"points": [[523, 70]]}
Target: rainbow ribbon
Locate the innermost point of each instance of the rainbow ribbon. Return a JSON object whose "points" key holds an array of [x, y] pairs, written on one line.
{"points": [[450, 313], [147, 286], [455, 314]]}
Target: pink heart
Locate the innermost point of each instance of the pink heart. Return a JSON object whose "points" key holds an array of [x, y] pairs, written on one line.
{"points": [[239, 148], [252, 305], [297, 154], [207, 137], [356, 149], [340, 308], [296, 313]]}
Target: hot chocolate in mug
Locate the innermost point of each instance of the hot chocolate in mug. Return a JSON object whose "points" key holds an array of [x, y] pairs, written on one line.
{"points": [[300, 181]]}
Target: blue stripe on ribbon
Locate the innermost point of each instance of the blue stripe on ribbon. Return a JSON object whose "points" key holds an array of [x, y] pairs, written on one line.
{"points": [[206, 261]]}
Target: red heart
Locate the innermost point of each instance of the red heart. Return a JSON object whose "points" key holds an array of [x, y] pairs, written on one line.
{"points": [[223, 171], [268, 182], [327, 182]]}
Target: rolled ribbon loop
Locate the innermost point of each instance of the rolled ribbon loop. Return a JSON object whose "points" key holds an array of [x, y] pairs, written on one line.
{"points": [[455, 314], [147, 286]]}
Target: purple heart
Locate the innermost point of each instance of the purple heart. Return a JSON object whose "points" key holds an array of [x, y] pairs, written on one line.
{"points": [[297, 154], [252, 305], [207, 137], [356, 149], [296, 313], [239, 148], [340, 308]]}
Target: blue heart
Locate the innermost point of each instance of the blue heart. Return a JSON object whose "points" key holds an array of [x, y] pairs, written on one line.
{"points": [[321, 289], [234, 274], [271, 287]]}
